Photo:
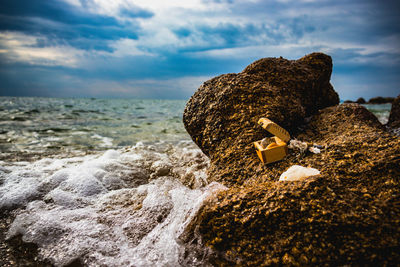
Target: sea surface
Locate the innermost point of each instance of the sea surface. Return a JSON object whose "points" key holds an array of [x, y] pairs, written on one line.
{"points": [[381, 111], [65, 125], [109, 182]]}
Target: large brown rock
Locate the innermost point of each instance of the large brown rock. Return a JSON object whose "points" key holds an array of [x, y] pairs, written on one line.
{"points": [[221, 117], [348, 215], [394, 118]]}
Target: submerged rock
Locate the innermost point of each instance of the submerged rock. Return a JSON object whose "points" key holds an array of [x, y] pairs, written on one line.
{"points": [[394, 118], [347, 215]]}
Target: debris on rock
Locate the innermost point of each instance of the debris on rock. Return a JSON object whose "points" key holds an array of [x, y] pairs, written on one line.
{"points": [[297, 172], [314, 150], [298, 145], [276, 150]]}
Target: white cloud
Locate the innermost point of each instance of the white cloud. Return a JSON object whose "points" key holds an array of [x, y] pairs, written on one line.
{"points": [[289, 50], [157, 32], [275, 33], [19, 47], [382, 53], [172, 88], [156, 5], [276, 37], [181, 87], [126, 47], [113, 8]]}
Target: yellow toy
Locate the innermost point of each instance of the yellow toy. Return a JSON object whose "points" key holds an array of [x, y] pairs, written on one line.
{"points": [[274, 148]]}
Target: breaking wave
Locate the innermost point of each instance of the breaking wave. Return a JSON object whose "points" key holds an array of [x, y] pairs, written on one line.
{"points": [[122, 207]]}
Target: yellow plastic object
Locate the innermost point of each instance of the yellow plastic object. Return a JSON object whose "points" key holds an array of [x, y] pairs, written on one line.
{"points": [[275, 129], [277, 148]]}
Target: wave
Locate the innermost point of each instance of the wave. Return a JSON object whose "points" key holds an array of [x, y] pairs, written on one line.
{"points": [[124, 207]]}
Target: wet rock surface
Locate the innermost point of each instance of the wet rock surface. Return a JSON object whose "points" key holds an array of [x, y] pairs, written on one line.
{"points": [[350, 214], [222, 115], [394, 118], [15, 252]]}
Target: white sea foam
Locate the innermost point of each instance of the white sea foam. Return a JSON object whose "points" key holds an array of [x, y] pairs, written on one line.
{"points": [[106, 141], [121, 208]]}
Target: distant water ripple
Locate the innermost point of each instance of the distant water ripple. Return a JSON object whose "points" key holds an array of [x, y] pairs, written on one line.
{"points": [[61, 125]]}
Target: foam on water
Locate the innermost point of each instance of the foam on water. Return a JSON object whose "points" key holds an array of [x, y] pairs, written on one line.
{"points": [[106, 141], [121, 208], [381, 111]]}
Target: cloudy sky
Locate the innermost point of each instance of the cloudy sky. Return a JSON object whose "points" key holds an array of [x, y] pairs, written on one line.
{"points": [[167, 48]]}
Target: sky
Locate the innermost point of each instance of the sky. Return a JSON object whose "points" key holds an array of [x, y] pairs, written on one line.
{"points": [[166, 49]]}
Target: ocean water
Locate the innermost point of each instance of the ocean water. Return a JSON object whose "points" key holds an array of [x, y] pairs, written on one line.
{"points": [[381, 111], [108, 182], [67, 125]]}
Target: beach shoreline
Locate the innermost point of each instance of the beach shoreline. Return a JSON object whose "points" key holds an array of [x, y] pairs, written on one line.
{"points": [[15, 252]]}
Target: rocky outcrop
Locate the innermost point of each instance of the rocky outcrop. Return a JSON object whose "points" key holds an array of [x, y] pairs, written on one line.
{"points": [[360, 101], [380, 100], [348, 215], [394, 118], [221, 117]]}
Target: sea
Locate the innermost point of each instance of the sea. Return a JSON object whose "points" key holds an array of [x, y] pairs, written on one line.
{"points": [[107, 182]]}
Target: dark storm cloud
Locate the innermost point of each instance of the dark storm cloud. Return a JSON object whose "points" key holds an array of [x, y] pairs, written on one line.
{"points": [[115, 48], [65, 23]]}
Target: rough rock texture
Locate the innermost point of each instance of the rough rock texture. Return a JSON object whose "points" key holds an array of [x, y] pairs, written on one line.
{"points": [[222, 115], [394, 118], [15, 252], [348, 215]]}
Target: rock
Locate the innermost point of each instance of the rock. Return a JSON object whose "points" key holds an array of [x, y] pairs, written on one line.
{"points": [[381, 100], [394, 118], [361, 101], [348, 101], [297, 172], [221, 117], [347, 215]]}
